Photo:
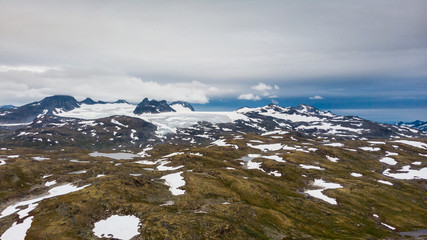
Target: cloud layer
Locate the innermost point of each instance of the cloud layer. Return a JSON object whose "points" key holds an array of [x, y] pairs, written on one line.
{"points": [[199, 50]]}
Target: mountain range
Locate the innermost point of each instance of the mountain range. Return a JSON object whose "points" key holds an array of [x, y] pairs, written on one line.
{"points": [[62, 103], [167, 172], [47, 121]]}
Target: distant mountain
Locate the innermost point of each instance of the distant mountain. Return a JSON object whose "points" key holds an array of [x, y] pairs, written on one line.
{"points": [[181, 106], [420, 125], [48, 105], [121, 101], [88, 101], [6, 107], [310, 121], [152, 106], [304, 119]]}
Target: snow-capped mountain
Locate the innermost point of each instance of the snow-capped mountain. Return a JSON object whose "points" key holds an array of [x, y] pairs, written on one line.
{"points": [[420, 125], [308, 120], [61, 104], [152, 106], [48, 105], [88, 121], [179, 119]]}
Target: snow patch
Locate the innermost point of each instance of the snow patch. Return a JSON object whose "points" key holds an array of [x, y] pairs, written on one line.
{"points": [[120, 227], [413, 143], [267, 147], [310, 167], [332, 159], [222, 143], [318, 193], [370, 149], [385, 182], [406, 173], [175, 181], [388, 160]]}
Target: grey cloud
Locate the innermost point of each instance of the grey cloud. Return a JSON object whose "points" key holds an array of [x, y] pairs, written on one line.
{"points": [[227, 45]]}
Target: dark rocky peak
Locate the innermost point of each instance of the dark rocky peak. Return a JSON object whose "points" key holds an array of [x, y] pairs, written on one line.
{"points": [[305, 108], [183, 104], [66, 103], [88, 101], [152, 106], [273, 107], [310, 110], [121, 101]]}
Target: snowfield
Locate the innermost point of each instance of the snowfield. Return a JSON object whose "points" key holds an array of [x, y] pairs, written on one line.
{"points": [[167, 122]]}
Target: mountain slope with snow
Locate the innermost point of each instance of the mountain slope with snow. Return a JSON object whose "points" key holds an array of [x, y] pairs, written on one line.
{"points": [[420, 125]]}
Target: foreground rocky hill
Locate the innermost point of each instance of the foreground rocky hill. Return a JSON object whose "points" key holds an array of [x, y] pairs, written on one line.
{"points": [[242, 186]]}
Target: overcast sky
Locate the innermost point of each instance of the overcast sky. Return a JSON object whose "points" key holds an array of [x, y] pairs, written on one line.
{"points": [[248, 52]]}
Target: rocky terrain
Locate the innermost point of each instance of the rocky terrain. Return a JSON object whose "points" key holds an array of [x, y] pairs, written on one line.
{"points": [[89, 170]]}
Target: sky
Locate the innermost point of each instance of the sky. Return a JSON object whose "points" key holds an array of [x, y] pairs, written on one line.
{"points": [[366, 57]]}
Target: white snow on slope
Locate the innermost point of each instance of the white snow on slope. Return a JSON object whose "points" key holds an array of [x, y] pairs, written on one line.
{"points": [[18, 231], [222, 143], [332, 159], [413, 143], [290, 117], [388, 226], [388, 160], [117, 155], [310, 167], [385, 182], [120, 227], [50, 183], [334, 144], [267, 147], [370, 149], [279, 132], [318, 193], [180, 108], [254, 165], [387, 153], [174, 181], [275, 158], [163, 167], [407, 173], [356, 175], [331, 128], [40, 158], [173, 154]]}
